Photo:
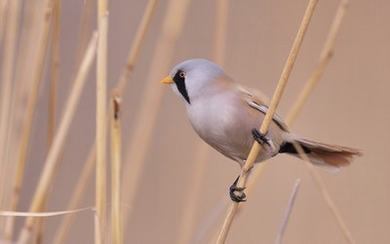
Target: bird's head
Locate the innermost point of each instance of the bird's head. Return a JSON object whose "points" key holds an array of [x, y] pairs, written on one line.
{"points": [[191, 78]]}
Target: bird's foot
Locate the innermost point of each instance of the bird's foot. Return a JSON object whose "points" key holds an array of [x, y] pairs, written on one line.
{"points": [[263, 139], [237, 193]]}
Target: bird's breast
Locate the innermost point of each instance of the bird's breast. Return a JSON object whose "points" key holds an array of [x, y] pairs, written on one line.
{"points": [[219, 122]]}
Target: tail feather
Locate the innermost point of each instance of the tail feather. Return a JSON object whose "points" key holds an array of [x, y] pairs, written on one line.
{"points": [[322, 154]]}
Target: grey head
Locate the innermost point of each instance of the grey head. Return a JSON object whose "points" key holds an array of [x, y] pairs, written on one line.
{"points": [[190, 78]]}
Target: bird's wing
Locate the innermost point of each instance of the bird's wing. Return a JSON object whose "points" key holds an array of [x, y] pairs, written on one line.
{"points": [[259, 101]]}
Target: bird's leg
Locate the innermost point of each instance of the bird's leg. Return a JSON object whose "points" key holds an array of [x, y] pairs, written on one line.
{"points": [[263, 139], [237, 193]]}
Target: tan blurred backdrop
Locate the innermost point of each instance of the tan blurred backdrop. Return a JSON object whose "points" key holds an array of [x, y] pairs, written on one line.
{"points": [[350, 106]]}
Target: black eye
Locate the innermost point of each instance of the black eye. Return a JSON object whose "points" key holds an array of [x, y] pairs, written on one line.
{"points": [[182, 74]]}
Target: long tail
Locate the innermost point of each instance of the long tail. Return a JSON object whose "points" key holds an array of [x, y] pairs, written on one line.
{"points": [[320, 153]]}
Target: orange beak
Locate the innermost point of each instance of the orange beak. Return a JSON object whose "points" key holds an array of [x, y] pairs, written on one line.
{"points": [[167, 80]]}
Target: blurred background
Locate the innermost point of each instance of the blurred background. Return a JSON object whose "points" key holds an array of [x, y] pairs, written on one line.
{"points": [[349, 106]]}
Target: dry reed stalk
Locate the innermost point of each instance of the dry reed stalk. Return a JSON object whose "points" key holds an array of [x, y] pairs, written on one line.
{"points": [[7, 70], [222, 8], [287, 213], [3, 8], [10, 14], [145, 121], [52, 104], [116, 161], [101, 123], [136, 46], [33, 73], [188, 219], [84, 32], [59, 139], [120, 85], [325, 57], [326, 54], [62, 231], [256, 148], [54, 72]]}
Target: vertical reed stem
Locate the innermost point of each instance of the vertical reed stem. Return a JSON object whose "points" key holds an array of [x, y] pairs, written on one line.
{"points": [[33, 74], [7, 71], [116, 160], [52, 106], [101, 113], [7, 105], [120, 85]]}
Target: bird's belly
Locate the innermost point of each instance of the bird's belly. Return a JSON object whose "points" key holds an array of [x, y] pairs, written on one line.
{"points": [[223, 128]]}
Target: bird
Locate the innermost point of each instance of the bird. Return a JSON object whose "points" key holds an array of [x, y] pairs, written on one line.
{"points": [[226, 116]]}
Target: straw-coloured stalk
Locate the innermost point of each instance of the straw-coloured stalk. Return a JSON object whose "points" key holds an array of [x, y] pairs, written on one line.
{"points": [[101, 123], [326, 55], [145, 120], [256, 148], [32, 74], [59, 139], [84, 31], [88, 165], [52, 104], [7, 69], [54, 72], [116, 151], [136, 46], [3, 5], [6, 105], [222, 7], [287, 213]]}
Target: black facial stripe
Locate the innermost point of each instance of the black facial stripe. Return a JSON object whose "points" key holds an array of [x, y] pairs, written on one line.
{"points": [[181, 86]]}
